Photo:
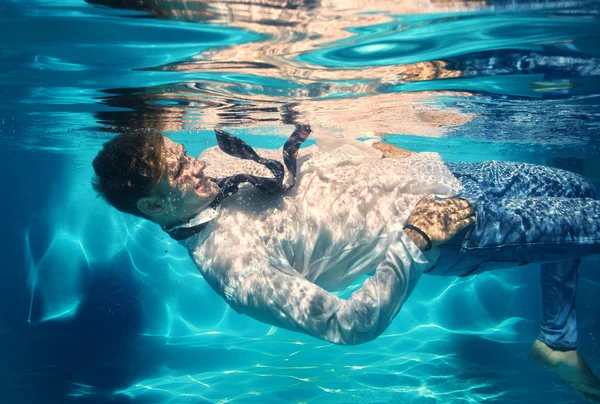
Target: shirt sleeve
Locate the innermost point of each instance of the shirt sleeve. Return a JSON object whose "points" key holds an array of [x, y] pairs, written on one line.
{"points": [[284, 300]]}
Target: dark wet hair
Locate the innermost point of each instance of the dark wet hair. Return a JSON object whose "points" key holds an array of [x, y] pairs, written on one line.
{"points": [[128, 168]]}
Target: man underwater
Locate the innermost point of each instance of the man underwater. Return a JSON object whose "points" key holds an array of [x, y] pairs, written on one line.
{"points": [[333, 212]]}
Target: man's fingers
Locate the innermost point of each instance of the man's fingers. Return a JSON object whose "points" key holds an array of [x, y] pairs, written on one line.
{"points": [[467, 222], [452, 205], [451, 217], [458, 202], [465, 213], [463, 203], [446, 202], [458, 226]]}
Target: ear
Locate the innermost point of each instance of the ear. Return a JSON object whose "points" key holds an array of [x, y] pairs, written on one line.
{"points": [[151, 206]]}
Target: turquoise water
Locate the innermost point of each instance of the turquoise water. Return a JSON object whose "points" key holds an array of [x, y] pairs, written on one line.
{"points": [[101, 307]]}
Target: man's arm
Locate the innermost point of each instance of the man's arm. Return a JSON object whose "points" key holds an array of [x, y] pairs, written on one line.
{"points": [[428, 210], [284, 300], [391, 151], [292, 302]]}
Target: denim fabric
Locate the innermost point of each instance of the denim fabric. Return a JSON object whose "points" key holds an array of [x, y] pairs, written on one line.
{"points": [[527, 214], [559, 288]]}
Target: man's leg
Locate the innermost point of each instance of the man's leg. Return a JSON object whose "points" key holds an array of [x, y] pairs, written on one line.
{"points": [[545, 230], [526, 230], [485, 183], [555, 346], [556, 343], [499, 180], [559, 288]]}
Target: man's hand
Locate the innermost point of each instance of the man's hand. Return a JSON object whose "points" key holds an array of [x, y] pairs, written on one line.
{"points": [[439, 220], [391, 151]]}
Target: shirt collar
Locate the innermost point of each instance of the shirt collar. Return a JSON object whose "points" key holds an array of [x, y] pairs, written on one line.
{"points": [[204, 216]]}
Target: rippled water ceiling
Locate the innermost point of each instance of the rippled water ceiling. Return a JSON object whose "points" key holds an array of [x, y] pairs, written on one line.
{"points": [[393, 69]]}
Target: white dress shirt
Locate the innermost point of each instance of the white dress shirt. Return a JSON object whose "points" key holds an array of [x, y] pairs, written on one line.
{"points": [[276, 258]]}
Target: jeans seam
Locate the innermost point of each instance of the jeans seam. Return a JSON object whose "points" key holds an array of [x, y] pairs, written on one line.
{"points": [[590, 240]]}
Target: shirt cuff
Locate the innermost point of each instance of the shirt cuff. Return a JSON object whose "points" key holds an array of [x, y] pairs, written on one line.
{"points": [[421, 260]]}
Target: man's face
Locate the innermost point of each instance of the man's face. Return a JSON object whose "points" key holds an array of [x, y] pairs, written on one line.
{"points": [[184, 188]]}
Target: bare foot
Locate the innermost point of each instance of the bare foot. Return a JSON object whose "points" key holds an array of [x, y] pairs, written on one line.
{"points": [[571, 367]]}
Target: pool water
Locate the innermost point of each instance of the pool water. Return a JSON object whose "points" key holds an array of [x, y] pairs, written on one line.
{"points": [[102, 307]]}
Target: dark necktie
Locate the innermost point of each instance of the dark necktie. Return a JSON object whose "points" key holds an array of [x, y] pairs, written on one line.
{"points": [[230, 185]]}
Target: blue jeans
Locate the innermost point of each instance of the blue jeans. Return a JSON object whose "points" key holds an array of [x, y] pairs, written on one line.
{"points": [[528, 214]]}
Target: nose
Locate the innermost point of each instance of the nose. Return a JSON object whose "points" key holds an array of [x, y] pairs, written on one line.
{"points": [[199, 167]]}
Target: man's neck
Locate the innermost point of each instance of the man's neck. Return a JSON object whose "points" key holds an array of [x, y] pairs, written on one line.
{"points": [[174, 222], [201, 217]]}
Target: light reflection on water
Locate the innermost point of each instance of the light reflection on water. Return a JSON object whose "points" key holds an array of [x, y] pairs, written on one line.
{"points": [[343, 70], [471, 80]]}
